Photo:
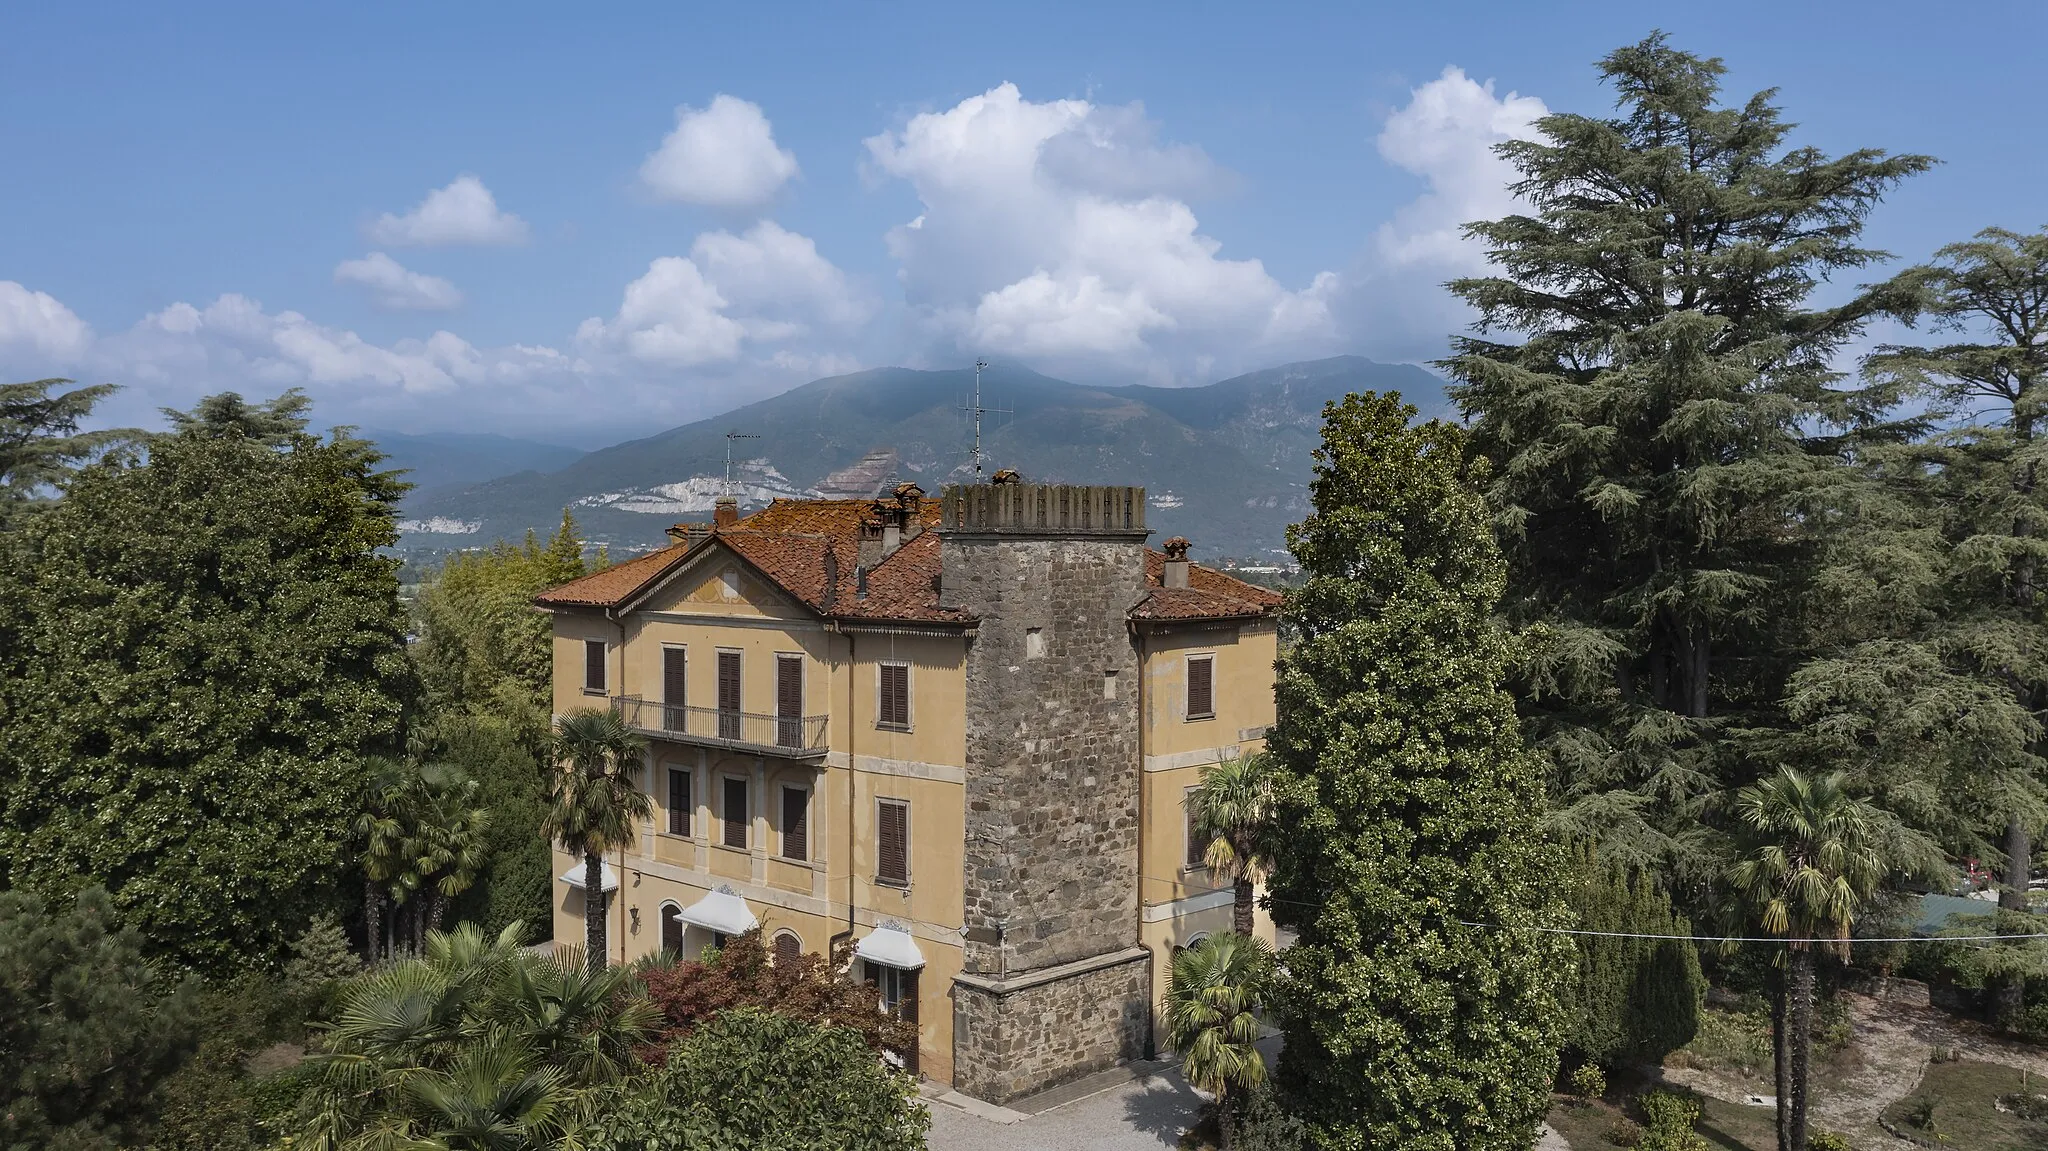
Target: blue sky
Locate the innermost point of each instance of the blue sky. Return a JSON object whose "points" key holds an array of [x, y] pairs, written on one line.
{"points": [[638, 215]]}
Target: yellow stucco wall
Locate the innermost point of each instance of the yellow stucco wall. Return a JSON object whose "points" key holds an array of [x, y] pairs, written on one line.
{"points": [[719, 605]]}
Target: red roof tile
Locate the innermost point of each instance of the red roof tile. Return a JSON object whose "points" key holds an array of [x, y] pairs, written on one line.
{"points": [[789, 542]]}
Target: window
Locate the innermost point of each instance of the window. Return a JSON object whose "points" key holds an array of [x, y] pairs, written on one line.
{"points": [[1198, 847], [672, 928], [1201, 686], [593, 666], [736, 816], [1034, 643], [1109, 685], [892, 843], [897, 992], [681, 804], [893, 708], [728, 695], [788, 948], [796, 823], [673, 682], [789, 701]]}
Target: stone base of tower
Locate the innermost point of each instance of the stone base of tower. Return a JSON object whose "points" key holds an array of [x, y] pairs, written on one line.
{"points": [[1037, 1029]]}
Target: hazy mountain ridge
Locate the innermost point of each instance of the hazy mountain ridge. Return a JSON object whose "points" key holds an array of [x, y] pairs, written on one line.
{"points": [[1226, 465]]}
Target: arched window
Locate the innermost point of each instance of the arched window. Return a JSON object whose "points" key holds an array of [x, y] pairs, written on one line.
{"points": [[788, 948], [672, 928]]}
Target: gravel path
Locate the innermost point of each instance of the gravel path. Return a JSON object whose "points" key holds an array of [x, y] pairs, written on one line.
{"points": [[1884, 1064]]}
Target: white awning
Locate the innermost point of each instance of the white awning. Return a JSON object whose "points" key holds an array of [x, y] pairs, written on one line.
{"points": [[722, 911], [891, 946], [574, 877]]}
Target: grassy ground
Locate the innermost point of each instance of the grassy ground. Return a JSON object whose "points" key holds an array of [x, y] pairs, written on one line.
{"points": [[1963, 1094], [1589, 1126]]}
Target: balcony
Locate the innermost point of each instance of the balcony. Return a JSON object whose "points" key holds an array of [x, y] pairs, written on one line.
{"points": [[791, 736]]}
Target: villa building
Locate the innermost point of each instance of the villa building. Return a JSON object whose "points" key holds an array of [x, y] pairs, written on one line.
{"points": [[946, 741]]}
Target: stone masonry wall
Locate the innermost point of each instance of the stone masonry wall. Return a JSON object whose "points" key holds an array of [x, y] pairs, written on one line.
{"points": [[1052, 763], [1041, 1036]]}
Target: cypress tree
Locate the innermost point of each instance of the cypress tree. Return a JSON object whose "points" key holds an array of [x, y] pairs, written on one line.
{"points": [[1668, 431], [1638, 999], [1420, 1010]]}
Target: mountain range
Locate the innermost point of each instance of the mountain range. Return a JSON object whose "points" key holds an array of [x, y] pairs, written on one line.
{"points": [[1226, 465]]}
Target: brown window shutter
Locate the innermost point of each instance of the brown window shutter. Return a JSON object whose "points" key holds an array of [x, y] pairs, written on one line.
{"points": [[1201, 685], [674, 663], [788, 948], [789, 700], [729, 681], [593, 665], [736, 817], [1198, 849], [895, 711], [796, 831], [728, 695], [907, 1008], [680, 805], [892, 843]]}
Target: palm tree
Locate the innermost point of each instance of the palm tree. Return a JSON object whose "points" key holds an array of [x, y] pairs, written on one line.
{"points": [[1813, 856], [447, 844], [1213, 996], [475, 1043], [1233, 811], [594, 805], [380, 830]]}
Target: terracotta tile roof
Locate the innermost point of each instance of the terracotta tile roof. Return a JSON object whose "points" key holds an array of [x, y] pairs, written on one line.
{"points": [[612, 585], [1210, 594], [796, 543]]}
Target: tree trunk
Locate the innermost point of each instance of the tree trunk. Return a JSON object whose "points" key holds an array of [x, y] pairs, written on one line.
{"points": [[2007, 1003], [1799, 1014], [1781, 1060], [1223, 1120], [373, 921], [437, 905], [1241, 912], [593, 911]]}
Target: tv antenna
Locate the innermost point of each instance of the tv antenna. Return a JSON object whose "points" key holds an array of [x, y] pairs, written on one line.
{"points": [[977, 411], [729, 438]]}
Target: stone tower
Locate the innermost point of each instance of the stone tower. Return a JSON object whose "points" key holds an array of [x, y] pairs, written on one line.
{"points": [[1055, 984]]}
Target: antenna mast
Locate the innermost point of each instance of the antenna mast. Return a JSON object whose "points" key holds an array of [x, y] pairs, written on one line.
{"points": [[729, 438], [977, 411]]}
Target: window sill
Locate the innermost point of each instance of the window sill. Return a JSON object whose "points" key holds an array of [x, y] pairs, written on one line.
{"points": [[794, 862], [902, 730], [721, 845], [1204, 716], [596, 691], [892, 885]]}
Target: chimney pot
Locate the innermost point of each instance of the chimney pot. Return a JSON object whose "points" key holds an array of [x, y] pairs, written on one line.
{"points": [[1176, 573], [725, 512]]}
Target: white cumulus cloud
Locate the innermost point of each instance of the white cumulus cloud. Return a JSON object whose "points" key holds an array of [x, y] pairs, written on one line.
{"points": [[722, 156], [765, 286], [35, 328], [1395, 300], [464, 212], [1057, 230], [393, 285]]}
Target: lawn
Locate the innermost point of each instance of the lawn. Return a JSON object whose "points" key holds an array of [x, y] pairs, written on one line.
{"points": [[1956, 1102], [1725, 1126]]}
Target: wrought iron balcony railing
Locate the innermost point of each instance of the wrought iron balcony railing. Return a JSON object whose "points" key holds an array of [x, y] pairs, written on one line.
{"points": [[797, 735]]}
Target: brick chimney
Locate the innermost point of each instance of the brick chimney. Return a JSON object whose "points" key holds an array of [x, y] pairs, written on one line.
{"points": [[725, 512], [1176, 573]]}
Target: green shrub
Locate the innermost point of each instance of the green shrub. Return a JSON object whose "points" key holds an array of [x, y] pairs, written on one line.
{"points": [[756, 1080], [1588, 1081], [1827, 1141], [1671, 1117], [1260, 1123]]}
